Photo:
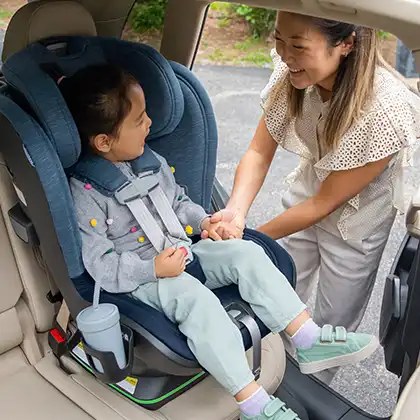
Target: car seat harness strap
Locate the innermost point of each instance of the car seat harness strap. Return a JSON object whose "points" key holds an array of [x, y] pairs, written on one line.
{"points": [[110, 181]]}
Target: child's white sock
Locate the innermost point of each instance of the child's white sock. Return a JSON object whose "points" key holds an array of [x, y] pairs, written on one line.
{"points": [[254, 405], [306, 336]]}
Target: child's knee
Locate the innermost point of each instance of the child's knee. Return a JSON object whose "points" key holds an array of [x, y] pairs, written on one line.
{"points": [[204, 296], [184, 298], [246, 250], [203, 304]]}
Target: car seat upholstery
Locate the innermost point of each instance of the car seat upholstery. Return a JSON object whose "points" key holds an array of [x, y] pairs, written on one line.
{"points": [[27, 369], [273, 353], [23, 73], [183, 131], [44, 19], [23, 390], [33, 277]]}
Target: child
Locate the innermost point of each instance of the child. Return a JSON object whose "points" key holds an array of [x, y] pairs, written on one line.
{"points": [[108, 107]]}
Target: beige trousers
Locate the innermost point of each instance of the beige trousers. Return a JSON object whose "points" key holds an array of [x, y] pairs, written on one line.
{"points": [[347, 272]]}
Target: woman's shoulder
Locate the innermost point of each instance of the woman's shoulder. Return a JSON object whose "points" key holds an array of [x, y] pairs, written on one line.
{"points": [[279, 72], [393, 95], [394, 111], [390, 124], [392, 116]]}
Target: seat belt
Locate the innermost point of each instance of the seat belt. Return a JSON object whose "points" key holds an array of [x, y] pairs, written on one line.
{"points": [[54, 295], [63, 316], [132, 193]]}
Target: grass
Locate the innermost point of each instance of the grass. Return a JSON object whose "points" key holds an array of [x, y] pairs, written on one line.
{"points": [[216, 55], [248, 53], [383, 34], [5, 14], [258, 58], [247, 44], [244, 52], [221, 7], [222, 12], [223, 22]]}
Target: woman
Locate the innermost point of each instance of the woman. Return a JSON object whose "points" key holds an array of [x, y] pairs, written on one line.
{"points": [[333, 101]]}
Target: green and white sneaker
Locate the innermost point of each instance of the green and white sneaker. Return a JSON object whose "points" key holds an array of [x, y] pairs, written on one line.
{"points": [[336, 348], [274, 410]]}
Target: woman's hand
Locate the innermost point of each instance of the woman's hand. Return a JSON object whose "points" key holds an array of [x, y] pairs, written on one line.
{"points": [[225, 224], [209, 230]]}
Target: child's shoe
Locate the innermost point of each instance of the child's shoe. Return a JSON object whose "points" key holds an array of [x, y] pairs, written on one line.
{"points": [[274, 410], [336, 348]]}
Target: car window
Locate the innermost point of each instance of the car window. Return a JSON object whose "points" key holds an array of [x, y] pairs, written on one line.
{"points": [[404, 61], [145, 23]]}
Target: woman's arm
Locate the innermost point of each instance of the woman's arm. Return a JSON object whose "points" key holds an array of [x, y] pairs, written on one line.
{"points": [[252, 170], [338, 188], [249, 177]]}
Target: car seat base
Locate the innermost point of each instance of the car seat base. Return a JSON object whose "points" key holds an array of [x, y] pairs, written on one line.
{"points": [[150, 392]]}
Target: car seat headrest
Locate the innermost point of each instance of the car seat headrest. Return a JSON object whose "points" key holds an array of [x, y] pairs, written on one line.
{"points": [[44, 19], [29, 73]]}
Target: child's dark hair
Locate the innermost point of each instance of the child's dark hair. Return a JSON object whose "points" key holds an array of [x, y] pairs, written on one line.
{"points": [[97, 97]]}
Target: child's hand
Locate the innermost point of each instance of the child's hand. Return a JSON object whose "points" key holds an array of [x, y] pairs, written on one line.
{"points": [[210, 230], [231, 223], [170, 263]]}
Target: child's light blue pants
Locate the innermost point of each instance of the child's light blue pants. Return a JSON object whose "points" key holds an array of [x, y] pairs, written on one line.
{"points": [[212, 336]]}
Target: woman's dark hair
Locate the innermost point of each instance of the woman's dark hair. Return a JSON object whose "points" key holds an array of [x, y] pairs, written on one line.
{"points": [[97, 97]]}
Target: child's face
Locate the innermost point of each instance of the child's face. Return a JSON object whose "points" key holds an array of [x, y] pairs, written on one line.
{"points": [[132, 134]]}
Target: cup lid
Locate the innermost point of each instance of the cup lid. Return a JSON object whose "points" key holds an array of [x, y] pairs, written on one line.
{"points": [[91, 319]]}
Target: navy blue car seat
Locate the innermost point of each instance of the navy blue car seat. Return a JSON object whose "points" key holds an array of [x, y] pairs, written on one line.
{"points": [[43, 143]]}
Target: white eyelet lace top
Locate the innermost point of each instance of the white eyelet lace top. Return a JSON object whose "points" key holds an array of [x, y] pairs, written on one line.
{"points": [[391, 126]]}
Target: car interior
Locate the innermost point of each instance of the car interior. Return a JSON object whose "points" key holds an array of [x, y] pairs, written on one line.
{"points": [[46, 368]]}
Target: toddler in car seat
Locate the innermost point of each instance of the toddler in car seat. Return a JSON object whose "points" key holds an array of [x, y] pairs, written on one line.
{"points": [[109, 109]]}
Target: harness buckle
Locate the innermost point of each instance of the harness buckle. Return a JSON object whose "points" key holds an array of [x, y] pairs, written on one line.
{"points": [[137, 188]]}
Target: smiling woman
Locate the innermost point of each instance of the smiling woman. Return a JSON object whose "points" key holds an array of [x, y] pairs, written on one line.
{"points": [[325, 54], [333, 101]]}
